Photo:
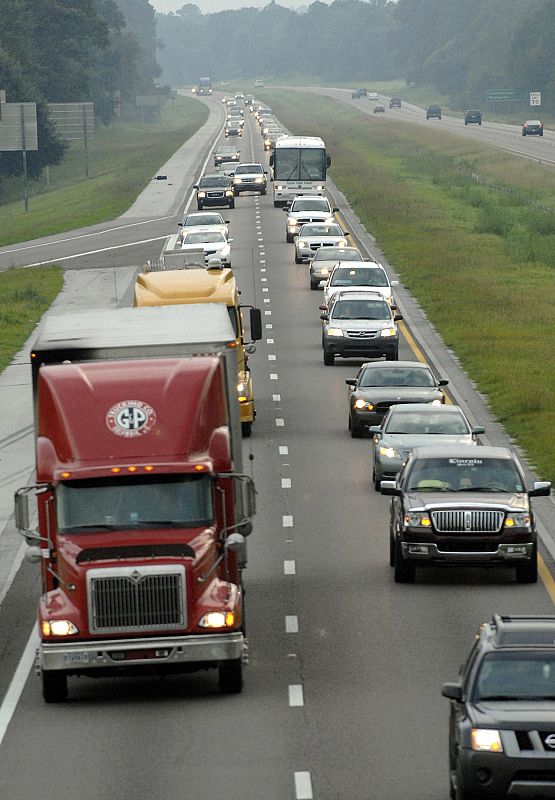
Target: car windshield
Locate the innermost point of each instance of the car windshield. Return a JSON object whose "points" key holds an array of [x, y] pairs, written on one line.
{"points": [[515, 676], [225, 151], [200, 237], [203, 219], [359, 276], [450, 423], [397, 376], [311, 205], [321, 230], [337, 254], [472, 474], [116, 503], [248, 169], [361, 309], [213, 181]]}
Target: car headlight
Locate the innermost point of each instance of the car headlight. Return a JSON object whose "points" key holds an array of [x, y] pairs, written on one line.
{"points": [[329, 221], [486, 740], [291, 223], [228, 193], [236, 180], [342, 243], [389, 452], [517, 519], [302, 243], [324, 271], [389, 332], [280, 188], [335, 332], [217, 619], [243, 391], [417, 519], [58, 627], [320, 188], [360, 404], [259, 180], [201, 194]]}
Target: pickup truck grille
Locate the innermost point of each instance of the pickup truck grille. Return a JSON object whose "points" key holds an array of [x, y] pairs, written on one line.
{"points": [[463, 521], [214, 194], [136, 599]]}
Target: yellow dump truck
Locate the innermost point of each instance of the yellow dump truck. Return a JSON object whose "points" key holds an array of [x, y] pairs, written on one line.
{"points": [[160, 284]]}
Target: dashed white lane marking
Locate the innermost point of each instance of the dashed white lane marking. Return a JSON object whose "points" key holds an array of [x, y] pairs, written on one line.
{"points": [[296, 695], [267, 313], [287, 520], [289, 568], [262, 269], [263, 280], [291, 624], [265, 289], [266, 299], [263, 261], [269, 326], [260, 238], [280, 423], [286, 483], [262, 253], [273, 376], [283, 450], [276, 398], [269, 341], [271, 357], [303, 786]]}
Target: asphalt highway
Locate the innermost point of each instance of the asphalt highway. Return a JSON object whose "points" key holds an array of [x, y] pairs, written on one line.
{"points": [[342, 697]]}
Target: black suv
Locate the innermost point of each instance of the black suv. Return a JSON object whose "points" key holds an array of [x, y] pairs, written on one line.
{"points": [[433, 112], [502, 720], [395, 102], [473, 117], [450, 506]]}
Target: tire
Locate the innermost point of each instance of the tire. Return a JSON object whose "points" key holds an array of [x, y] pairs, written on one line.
{"points": [[54, 686], [199, 206], [528, 573], [391, 549], [246, 429], [465, 122], [392, 356], [232, 204], [377, 484], [314, 285], [355, 428], [236, 192], [230, 676], [541, 133], [329, 358], [523, 133], [405, 572], [297, 259], [458, 792], [288, 237], [263, 191]]}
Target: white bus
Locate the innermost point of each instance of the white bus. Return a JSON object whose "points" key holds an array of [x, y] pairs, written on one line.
{"points": [[299, 166]]}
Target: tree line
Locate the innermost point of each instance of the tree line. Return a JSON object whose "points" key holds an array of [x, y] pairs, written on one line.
{"points": [[72, 51], [460, 47]]}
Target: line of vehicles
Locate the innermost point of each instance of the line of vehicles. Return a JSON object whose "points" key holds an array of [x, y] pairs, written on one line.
{"points": [[454, 501]]}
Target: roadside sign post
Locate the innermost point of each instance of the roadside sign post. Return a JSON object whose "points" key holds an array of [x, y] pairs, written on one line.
{"points": [[18, 132], [24, 154]]}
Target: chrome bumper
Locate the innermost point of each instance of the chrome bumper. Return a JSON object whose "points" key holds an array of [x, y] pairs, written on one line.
{"points": [[430, 552], [80, 656]]}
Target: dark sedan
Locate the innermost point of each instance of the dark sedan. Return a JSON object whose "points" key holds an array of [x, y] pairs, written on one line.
{"points": [[532, 127], [379, 386]]}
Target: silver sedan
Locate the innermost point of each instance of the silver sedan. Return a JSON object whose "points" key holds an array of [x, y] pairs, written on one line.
{"points": [[315, 235]]}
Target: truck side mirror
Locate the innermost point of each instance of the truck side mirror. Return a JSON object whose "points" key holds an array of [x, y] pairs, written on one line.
{"points": [[256, 324], [22, 521], [442, 383], [541, 489], [453, 691], [328, 161], [397, 318], [351, 381], [390, 488]]}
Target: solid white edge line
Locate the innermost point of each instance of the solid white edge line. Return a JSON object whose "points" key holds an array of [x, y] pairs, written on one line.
{"points": [[11, 699], [92, 252], [303, 786]]}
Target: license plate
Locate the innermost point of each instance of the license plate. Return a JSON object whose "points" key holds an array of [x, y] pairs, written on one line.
{"points": [[76, 658]]}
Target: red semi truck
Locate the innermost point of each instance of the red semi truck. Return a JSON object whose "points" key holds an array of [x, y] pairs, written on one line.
{"points": [[143, 504]]}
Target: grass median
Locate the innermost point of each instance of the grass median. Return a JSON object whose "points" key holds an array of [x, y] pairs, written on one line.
{"points": [[121, 163], [471, 231]]}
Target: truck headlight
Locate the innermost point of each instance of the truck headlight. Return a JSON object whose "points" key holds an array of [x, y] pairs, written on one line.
{"points": [[329, 220], [485, 740], [360, 404], [58, 627], [201, 194], [217, 619], [417, 519], [302, 243], [389, 452], [341, 243], [389, 332], [291, 223], [517, 519], [259, 180], [228, 193], [335, 332]]}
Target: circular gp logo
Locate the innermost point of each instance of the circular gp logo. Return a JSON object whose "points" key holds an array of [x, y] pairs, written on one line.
{"points": [[131, 418]]}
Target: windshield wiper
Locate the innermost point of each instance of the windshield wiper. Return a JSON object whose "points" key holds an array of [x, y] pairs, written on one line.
{"points": [[520, 697], [98, 526]]}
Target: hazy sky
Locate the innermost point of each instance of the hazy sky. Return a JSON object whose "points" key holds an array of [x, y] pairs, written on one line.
{"points": [[208, 5]]}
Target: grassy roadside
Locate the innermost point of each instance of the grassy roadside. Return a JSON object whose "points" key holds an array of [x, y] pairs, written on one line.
{"points": [[471, 230], [24, 297], [121, 163]]}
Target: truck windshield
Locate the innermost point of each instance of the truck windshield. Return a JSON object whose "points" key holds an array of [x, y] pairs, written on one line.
{"points": [[300, 164], [121, 503]]}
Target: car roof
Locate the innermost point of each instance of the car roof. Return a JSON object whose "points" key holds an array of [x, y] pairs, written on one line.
{"points": [[463, 451], [310, 197], [522, 630], [428, 408], [357, 265], [395, 365], [360, 294], [205, 214]]}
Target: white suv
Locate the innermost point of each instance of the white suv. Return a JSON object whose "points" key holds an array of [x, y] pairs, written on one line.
{"points": [[353, 276], [306, 209]]}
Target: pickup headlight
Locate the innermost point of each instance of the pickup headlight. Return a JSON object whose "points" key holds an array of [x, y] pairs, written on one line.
{"points": [[389, 332], [58, 627], [417, 519], [243, 391], [279, 187], [389, 452], [302, 243], [485, 740], [341, 243], [360, 404], [291, 222], [259, 180], [228, 193], [335, 332], [517, 519], [201, 194], [329, 221]]}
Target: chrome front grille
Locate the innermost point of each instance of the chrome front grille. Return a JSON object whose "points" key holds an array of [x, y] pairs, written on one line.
{"points": [[467, 521], [214, 194], [361, 334], [137, 599]]}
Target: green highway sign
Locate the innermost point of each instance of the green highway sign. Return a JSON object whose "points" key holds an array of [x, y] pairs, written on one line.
{"points": [[501, 95]]}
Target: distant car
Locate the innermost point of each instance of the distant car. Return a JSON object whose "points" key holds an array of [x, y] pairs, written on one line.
{"points": [[198, 219], [324, 260], [532, 127], [304, 210], [214, 190], [373, 97], [433, 112], [227, 168], [249, 99], [357, 93], [271, 138], [214, 243], [226, 152], [258, 84], [395, 102], [353, 276], [233, 128], [379, 109], [473, 117], [236, 112], [380, 385], [249, 178], [408, 426], [360, 325], [315, 235], [501, 726]]}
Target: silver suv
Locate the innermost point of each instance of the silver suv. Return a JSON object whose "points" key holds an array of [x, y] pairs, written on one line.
{"points": [[307, 209], [249, 178]]}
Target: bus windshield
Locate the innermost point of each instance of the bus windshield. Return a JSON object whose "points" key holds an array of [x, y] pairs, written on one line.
{"points": [[300, 164]]}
